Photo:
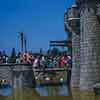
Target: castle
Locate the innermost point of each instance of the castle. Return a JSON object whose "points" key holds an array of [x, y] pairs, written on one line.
{"points": [[82, 22]]}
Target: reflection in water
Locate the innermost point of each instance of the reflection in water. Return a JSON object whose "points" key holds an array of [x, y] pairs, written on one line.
{"points": [[41, 91], [32, 93], [52, 90], [29, 93], [75, 93], [63, 91], [86, 95], [6, 90]]}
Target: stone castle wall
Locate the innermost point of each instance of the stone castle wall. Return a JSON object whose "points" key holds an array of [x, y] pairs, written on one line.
{"points": [[89, 45]]}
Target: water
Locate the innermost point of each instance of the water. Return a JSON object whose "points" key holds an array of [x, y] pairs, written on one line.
{"points": [[30, 93], [52, 90], [41, 91], [63, 91], [60, 93], [6, 90]]}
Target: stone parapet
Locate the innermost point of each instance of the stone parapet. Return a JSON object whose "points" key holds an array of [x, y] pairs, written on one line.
{"points": [[72, 19], [98, 9], [73, 13], [17, 75]]}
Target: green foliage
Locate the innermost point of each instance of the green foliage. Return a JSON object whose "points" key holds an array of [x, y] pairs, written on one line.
{"points": [[13, 56], [55, 51]]}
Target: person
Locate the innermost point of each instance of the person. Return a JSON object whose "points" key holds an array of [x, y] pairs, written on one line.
{"points": [[69, 61], [1, 57], [51, 63], [66, 61], [4, 57], [42, 62], [35, 63], [62, 61], [25, 58], [7, 60], [17, 60]]}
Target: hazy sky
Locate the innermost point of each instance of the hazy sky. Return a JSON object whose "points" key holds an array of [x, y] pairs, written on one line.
{"points": [[41, 20]]}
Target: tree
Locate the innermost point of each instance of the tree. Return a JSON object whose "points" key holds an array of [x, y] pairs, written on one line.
{"points": [[13, 56], [55, 51]]}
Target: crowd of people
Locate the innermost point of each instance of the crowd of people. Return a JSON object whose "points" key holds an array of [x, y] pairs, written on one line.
{"points": [[3, 57], [38, 60], [44, 61], [50, 62]]}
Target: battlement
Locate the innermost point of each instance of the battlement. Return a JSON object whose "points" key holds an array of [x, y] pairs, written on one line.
{"points": [[72, 19], [98, 9]]}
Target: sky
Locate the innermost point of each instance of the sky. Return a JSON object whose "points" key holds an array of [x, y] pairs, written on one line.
{"points": [[40, 20]]}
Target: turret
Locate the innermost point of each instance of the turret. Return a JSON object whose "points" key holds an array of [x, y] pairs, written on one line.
{"points": [[72, 25], [72, 19], [98, 8]]}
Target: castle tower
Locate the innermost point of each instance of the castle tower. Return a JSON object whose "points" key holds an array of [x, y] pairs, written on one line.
{"points": [[98, 8], [73, 18], [89, 48], [69, 33], [72, 25]]}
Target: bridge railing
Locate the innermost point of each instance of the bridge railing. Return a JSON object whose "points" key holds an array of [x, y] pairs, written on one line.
{"points": [[44, 76], [51, 76]]}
